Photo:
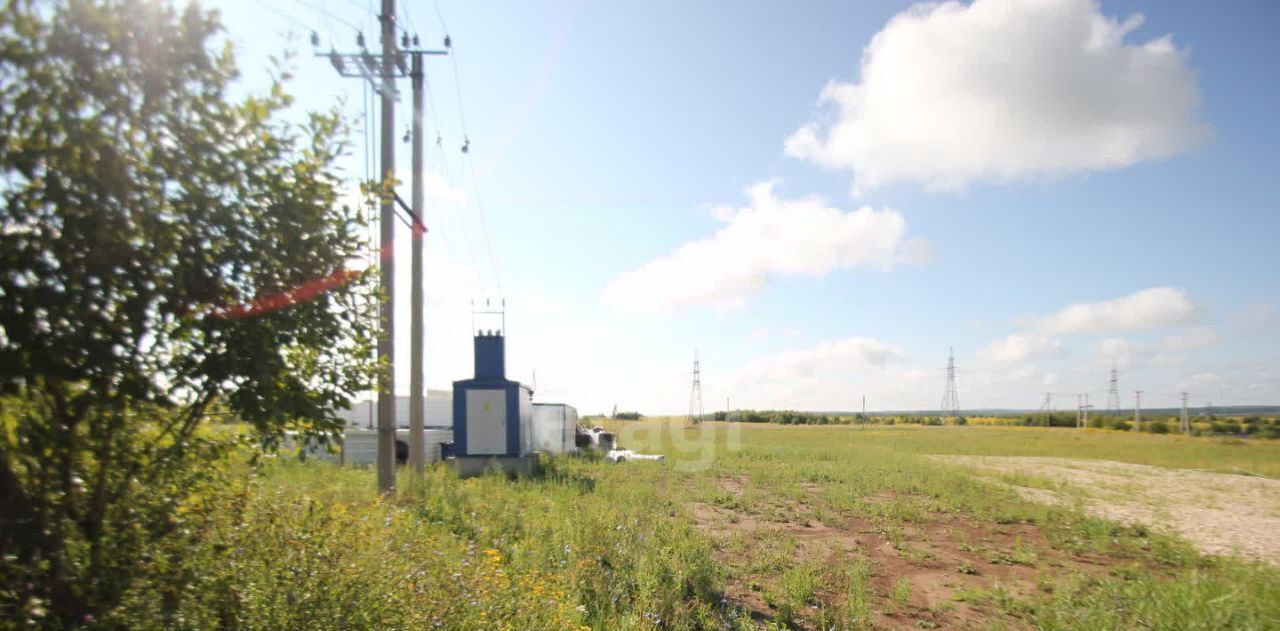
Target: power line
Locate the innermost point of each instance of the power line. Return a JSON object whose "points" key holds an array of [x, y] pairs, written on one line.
{"points": [[466, 150], [328, 14], [272, 8], [455, 212]]}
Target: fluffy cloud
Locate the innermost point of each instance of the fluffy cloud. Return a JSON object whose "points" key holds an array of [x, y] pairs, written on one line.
{"points": [[1019, 347], [1194, 337], [769, 237], [1149, 308], [828, 375], [1003, 89], [1161, 351], [838, 354]]}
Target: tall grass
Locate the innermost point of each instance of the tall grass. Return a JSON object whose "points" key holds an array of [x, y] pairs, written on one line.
{"points": [[602, 546]]}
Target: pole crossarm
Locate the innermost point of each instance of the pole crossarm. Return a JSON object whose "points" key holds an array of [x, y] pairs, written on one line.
{"points": [[368, 66]]}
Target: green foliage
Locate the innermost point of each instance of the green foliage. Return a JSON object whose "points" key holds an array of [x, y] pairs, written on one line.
{"points": [[900, 593], [306, 546], [165, 253]]}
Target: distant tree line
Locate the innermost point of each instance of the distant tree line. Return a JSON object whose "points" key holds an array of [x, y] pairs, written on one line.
{"points": [[1249, 426], [792, 417]]}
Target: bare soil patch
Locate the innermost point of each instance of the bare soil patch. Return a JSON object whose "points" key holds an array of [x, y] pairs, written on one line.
{"points": [[1219, 513], [943, 557]]}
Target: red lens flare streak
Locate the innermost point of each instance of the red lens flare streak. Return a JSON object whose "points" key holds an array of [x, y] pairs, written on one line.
{"points": [[307, 290]]}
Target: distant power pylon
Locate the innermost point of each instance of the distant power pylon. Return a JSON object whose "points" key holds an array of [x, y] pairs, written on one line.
{"points": [[1113, 396], [1137, 410], [695, 396], [1047, 407], [950, 399], [1185, 424], [1082, 418]]}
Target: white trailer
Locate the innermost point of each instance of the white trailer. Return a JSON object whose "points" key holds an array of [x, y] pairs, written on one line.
{"points": [[554, 428], [360, 446]]}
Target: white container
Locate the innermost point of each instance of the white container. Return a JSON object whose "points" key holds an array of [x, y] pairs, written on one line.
{"points": [[437, 411], [360, 446], [554, 427]]}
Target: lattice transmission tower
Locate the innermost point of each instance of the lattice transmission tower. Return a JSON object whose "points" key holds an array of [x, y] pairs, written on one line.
{"points": [[951, 400], [695, 395], [1113, 395]]}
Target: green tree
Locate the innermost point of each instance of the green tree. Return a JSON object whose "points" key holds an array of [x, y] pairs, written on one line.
{"points": [[166, 251]]}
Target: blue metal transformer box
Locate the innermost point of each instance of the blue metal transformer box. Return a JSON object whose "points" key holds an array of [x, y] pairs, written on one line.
{"points": [[492, 415]]}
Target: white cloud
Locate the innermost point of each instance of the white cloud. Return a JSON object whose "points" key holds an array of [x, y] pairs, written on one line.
{"points": [[1149, 308], [1020, 347], [1162, 351], [759, 333], [838, 354], [769, 237], [1121, 351], [829, 375], [1002, 89], [1194, 337]]}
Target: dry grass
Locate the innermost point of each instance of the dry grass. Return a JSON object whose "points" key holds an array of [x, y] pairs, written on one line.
{"points": [[1221, 514]]}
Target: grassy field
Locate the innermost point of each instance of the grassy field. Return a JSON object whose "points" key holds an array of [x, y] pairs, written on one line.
{"points": [[754, 527]]}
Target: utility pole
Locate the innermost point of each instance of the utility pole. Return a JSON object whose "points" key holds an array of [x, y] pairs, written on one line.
{"points": [[1137, 411], [381, 75], [1047, 406], [1185, 420], [386, 230], [417, 399], [1084, 422]]}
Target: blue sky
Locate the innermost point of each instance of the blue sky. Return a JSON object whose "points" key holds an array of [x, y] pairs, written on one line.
{"points": [[1048, 186]]}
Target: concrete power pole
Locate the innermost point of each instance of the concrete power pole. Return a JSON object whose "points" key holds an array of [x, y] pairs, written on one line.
{"points": [[381, 75], [1137, 411], [386, 229], [1084, 410], [417, 399]]}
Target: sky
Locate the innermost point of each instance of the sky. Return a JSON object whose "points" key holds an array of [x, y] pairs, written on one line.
{"points": [[823, 199]]}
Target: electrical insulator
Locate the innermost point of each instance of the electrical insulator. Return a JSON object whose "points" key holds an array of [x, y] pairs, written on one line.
{"points": [[404, 41], [360, 40], [315, 39], [448, 43]]}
